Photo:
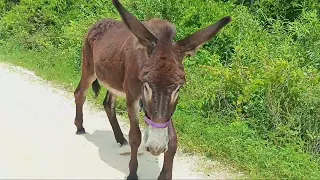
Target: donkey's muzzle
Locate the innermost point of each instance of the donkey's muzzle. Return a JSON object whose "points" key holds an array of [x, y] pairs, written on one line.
{"points": [[156, 140]]}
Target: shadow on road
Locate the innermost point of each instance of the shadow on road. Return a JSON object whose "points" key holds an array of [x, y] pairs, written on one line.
{"points": [[148, 167]]}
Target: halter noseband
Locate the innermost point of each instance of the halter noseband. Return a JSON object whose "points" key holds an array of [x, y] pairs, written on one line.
{"points": [[157, 125]]}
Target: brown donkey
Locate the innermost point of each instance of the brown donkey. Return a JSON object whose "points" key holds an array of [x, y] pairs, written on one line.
{"points": [[139, 61]]}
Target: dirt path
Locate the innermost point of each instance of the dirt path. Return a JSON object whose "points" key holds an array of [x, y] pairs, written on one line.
{"points": [[38, 140]]}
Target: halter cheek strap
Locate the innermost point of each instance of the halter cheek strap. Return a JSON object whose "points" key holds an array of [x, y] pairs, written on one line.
{"points": [[157, 125]]}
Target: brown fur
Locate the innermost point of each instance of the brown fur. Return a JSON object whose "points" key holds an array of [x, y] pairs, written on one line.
{"points": [[123, 56]]}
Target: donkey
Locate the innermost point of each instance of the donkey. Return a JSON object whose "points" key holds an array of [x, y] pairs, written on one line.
{"points": [[139, 61]]}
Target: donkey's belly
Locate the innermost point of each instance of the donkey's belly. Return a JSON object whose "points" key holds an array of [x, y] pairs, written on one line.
{"points": [[110, 78], [111, 89]]}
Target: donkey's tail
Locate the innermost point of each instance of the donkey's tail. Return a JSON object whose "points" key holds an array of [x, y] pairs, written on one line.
{"points": [[96, 88]]}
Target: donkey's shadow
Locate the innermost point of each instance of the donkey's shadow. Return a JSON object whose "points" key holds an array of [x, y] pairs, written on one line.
{"points": [[148, 167]]}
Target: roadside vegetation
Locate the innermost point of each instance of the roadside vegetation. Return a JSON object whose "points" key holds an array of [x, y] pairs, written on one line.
{"points": [[252, 97]]}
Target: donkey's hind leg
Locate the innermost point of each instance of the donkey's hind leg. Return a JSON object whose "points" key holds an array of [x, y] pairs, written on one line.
{"points": [[80, 97], [109, 104]]}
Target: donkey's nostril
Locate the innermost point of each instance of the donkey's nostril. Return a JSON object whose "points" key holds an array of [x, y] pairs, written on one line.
{"points": [[148, 149]]}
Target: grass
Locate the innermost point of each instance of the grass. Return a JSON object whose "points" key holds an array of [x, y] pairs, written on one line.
{"points": [[234, 144]]}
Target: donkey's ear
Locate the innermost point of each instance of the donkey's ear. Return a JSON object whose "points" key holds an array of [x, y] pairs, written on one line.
{"points": [[145, 37], [190, 44]]}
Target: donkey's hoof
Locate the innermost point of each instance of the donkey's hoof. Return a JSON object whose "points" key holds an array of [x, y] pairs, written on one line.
{"points": [[81, 131], [132, 177]]}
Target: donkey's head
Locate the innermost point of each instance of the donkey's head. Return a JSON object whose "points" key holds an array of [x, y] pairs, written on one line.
{"points": [[162, 74]]}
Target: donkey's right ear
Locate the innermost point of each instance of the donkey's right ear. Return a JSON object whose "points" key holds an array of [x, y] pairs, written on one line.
{"points": [[191, 44], [145, 37]]}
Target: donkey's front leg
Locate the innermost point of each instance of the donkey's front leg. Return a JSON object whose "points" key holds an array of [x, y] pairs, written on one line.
{"points": [[134, 136], [166, 172]]}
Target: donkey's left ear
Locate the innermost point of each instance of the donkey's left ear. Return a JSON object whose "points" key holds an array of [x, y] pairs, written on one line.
{"points": [[193, 42], [145, 37]]}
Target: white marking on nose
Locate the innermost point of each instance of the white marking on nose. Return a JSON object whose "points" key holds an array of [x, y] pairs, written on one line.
{"points": [[161, 105]]}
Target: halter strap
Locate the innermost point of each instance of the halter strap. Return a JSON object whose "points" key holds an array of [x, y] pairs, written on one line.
{"points": [[157, 125]]}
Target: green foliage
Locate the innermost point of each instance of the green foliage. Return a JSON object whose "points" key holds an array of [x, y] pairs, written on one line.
{"points": [[252, 95], [7, 5]]}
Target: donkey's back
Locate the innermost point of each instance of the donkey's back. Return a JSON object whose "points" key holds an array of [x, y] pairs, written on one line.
{"points": [[107, 33]]}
